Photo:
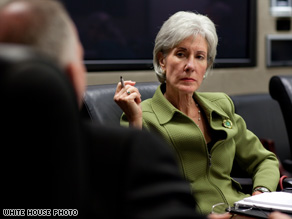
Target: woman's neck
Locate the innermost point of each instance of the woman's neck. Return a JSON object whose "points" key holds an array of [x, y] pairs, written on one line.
{"points": [[182, 101]]}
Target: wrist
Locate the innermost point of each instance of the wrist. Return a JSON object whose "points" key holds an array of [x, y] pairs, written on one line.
{"points": [[136, 123]]}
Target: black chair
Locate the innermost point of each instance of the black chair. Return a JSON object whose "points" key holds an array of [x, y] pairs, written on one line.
{"points": [[40, 135], [262, 114], [255, 109], [99, 104], [280, 88]]}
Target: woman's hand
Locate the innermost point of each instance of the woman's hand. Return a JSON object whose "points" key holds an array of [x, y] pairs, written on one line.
{"points": [[129, 99], [219, 216], [257, 193], [278, 215]]}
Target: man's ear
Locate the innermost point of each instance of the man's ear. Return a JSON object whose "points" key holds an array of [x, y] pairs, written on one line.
{"points": [[161, 60], [69, 71], [76, 74]]}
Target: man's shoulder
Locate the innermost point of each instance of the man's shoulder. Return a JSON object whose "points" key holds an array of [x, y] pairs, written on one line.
{"points": [[119, 136]]}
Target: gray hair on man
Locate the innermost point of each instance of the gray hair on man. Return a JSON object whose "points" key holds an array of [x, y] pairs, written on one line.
{"points": [[48, 28]]}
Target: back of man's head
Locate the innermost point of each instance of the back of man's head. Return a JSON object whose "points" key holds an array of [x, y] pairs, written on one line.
{"points": [[42, 24]]}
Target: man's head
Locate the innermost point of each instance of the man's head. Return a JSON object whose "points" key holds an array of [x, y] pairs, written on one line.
{"points": [[46, 26]]}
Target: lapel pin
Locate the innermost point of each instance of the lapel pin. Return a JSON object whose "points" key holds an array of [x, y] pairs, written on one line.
{"points": [[227, 123]]}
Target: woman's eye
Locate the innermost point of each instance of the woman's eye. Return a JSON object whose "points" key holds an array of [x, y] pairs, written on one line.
{"points": [[180, 54], [201, 57]]}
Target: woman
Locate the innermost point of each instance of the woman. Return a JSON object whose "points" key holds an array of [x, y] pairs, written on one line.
{"points": [[202, 127]]}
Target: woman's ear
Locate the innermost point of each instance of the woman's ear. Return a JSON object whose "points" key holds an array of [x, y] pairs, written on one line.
{"points": [[210, 62], [161, 60]]}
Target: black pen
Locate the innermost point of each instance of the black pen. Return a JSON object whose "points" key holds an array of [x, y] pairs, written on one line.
{"points": [[122, 81]]}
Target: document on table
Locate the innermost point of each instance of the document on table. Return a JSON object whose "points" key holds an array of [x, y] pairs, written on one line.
{"points": [[281, 201]]}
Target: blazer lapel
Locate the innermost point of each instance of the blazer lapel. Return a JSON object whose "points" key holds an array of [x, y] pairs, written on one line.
{"points": [[217, 117]]}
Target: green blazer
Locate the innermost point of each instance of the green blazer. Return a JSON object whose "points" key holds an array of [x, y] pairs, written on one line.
{"points": [[208, 171]]}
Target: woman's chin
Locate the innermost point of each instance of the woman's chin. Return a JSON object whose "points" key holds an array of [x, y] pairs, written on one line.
{"points": [[187, 88]]}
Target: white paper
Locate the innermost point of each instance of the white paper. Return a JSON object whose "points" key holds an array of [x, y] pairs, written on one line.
{"points": [[281, 201]]}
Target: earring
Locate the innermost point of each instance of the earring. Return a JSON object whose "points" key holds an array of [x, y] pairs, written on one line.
{"points": [[163, 71], [204, 76]]}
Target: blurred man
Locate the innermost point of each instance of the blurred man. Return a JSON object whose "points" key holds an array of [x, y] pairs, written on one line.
{"points": [[139, 177]]}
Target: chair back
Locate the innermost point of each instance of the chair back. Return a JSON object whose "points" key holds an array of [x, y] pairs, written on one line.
{"points": [[280, 88], [99, 104], [264, 118]]}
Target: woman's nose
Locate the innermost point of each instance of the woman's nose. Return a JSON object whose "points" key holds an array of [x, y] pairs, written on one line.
{"points": [[190, 65]]}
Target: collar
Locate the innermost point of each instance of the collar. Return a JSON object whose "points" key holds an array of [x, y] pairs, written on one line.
{"points": [[165, 111], [209, 104]]}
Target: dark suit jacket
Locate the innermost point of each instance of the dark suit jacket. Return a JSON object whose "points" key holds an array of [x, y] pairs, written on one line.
{"points": [[134, 175], [53, 159]]}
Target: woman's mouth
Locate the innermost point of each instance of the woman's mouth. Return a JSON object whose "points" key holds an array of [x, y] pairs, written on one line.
{"points": [[188, 79]]}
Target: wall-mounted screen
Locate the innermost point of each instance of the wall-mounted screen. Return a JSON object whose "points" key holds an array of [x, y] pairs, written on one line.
{"points": [[279, 50], [119, 34]]}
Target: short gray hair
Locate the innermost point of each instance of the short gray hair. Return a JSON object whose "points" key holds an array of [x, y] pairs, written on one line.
{"points": [[178, 27], [46, 27]]}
